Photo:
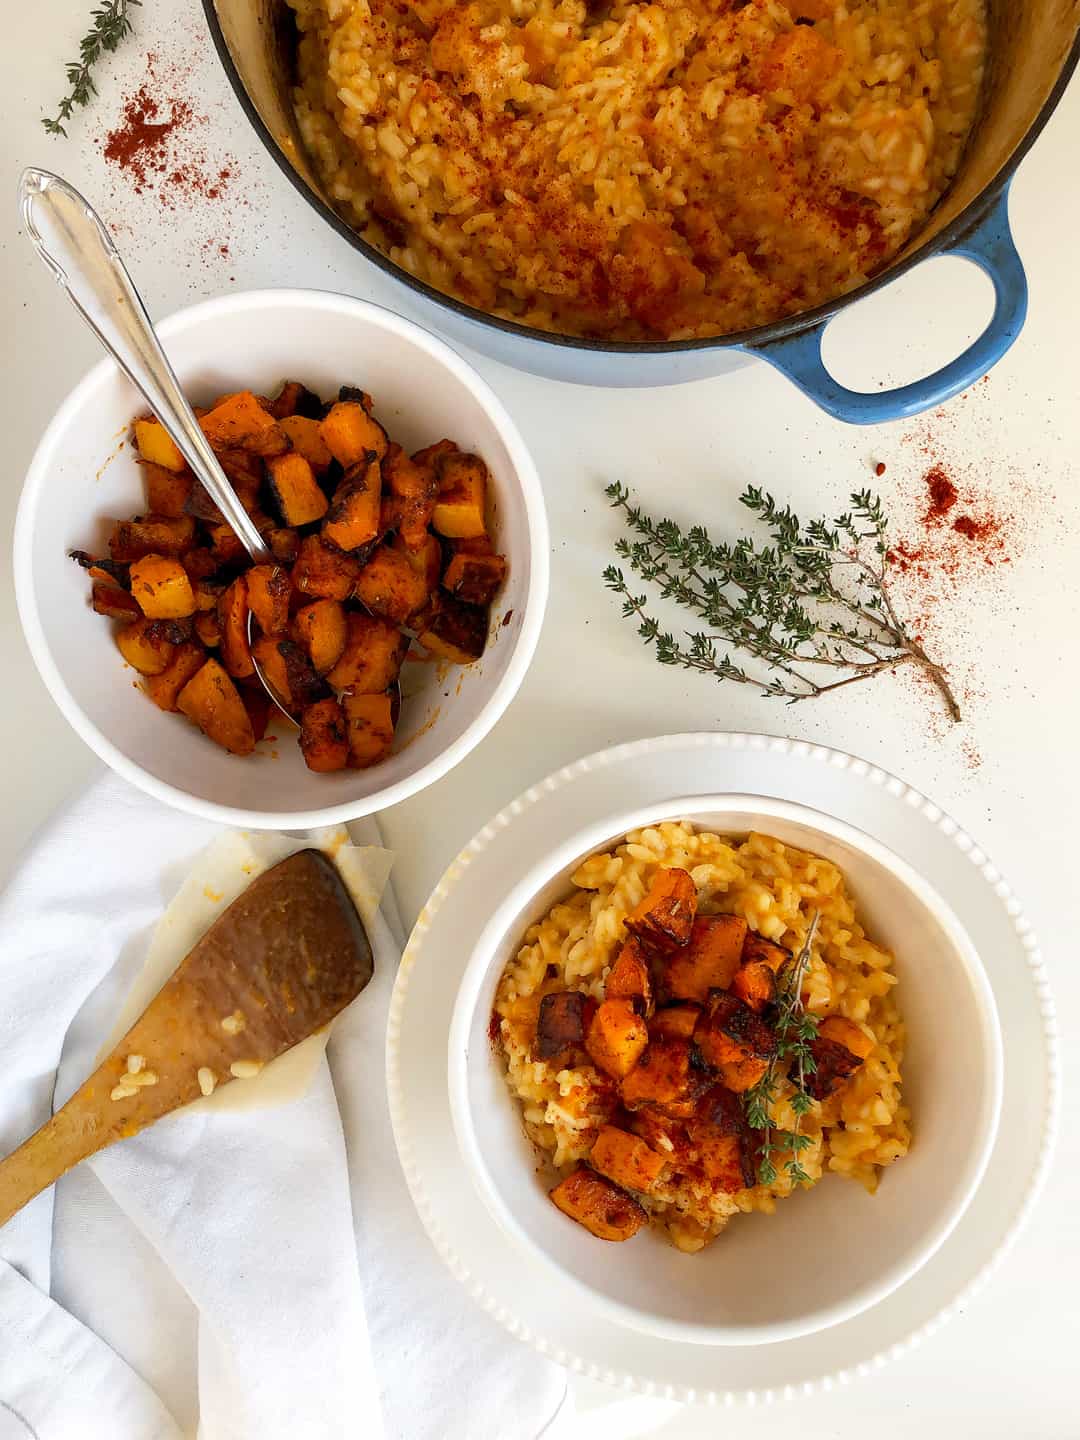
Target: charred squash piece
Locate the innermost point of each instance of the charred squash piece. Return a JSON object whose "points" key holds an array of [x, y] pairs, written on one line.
{"points": [[296, 492], [662, 1076], [616, 1038], [148, 646], [735, 1041], [628, 978], [476, 579], [232, 615], [675, 1022], [371, 658], [425, 558], [845, 1032], [151, 535], [626, 1159], [351, 435], [207, 593], [294, 399], [324, 737], [428, 458], [156, 445], [108, 599], [167, 490], [207, 629], [161, 586], [664, 919], [288, 672], [759, 951], [560, 1024], [371, 728], [459, 509], [726, 1146], [165, 687], [306, 439], [225, 546], [389, 586], [111, 572], [257, 704], [708, 962], [284, 544], [835, 1065], [211, 700], [721, 1158], [239, 422], [323, 571], [454, 631], [416, 488], [660, 1132], [755, 984], [321, 629], [605, 1211], [268, 592], [353, 518]]}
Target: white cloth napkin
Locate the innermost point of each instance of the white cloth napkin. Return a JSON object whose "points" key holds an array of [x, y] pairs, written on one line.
{"points": [[252, 1274]]}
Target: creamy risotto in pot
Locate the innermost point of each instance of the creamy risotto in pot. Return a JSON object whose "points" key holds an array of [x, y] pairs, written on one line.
{"points": [[639, 171], [700, 1028]]}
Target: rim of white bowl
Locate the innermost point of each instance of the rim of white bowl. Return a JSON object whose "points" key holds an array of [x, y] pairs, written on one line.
{"points": [[550, 1348], [605, 831], [528, 480]]}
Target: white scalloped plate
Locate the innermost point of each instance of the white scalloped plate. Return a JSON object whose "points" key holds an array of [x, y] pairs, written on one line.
{"points": [[545, 1312]]}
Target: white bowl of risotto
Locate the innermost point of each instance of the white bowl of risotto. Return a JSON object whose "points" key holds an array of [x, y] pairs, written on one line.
{"points": [[728, 972]]}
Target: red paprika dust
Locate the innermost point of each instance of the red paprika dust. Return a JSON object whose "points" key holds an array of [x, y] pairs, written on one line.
{"points": [[138, 144], [947, 544]]}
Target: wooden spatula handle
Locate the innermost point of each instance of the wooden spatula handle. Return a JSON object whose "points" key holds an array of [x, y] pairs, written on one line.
{"points": [[50, 1152]]}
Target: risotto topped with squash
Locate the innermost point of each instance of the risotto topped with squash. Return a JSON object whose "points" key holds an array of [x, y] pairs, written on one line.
{"points": [[700, 1029], [638, 169]]}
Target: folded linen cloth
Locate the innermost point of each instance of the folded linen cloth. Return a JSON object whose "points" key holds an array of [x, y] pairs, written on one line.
{"points": [[258, 1273]]}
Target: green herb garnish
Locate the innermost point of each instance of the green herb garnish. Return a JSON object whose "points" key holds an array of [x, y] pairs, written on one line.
{"points": [[795, 1030], [813, 607], [111, 22]]}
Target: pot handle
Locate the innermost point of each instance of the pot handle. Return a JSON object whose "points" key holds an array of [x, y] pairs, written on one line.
{"points": [[990, 245]]}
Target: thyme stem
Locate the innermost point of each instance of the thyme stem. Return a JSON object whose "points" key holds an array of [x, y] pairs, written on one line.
{"points": [[110, 23]]}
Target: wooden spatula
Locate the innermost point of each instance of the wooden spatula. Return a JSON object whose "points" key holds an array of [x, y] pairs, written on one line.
{"points": [[279, 964]]}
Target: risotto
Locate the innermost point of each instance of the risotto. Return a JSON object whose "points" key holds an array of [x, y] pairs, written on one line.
{"points": [[638, 171], [605, 1100]]}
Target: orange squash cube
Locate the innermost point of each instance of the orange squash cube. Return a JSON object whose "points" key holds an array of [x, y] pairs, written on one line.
{"points": [[626, 1159], [601, 1207], [616, 1037]]}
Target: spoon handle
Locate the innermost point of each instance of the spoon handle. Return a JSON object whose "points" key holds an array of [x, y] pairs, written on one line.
{"points": [[70, 237]]}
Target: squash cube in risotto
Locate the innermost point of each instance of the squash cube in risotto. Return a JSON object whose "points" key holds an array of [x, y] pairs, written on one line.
{"points": [[665, 917], [708, 962], [628, 978], [616, 1037], [560, 1024], [625, 1158], [661, 1077], [604, 1210]]}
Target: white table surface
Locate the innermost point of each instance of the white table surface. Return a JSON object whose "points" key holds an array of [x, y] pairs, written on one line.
{"points": [[1006, 1367]]}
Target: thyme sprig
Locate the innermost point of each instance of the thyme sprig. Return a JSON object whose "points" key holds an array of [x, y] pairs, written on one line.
{"points": [[795, 1029], [111, 22], [812, 607]]}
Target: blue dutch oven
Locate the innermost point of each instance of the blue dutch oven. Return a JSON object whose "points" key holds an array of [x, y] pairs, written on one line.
{"points": [[1034, 48]]}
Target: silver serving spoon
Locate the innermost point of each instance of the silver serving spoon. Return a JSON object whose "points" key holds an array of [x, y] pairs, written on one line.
{"points": [[68, 234]]}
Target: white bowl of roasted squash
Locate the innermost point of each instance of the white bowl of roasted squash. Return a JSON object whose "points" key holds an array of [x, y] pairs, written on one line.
{"points": [[728, 1064], [400, 605]]}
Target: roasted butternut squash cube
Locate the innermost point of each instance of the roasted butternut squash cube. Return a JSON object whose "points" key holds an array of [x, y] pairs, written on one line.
{"points": [[661, 1076], [415, 487], [164, 688], [665, 917], [167, 491], [351, 435], [257, 704], [320, 628], [323, 571], [295, 490], [240, 422], [560, 1024], [108, 599], [834, 1066], [721, 1157], [306, 439], [232, 616], [708, 962], [755, 984], [156, 445], [459, 508], [628, 978], [161, 586], [758, 950], [294, 399], [225, 545], [268, 592], [207, 629], [425, 558], [288, 672], [148, 646], [452, 630], [428, 458], [734, 1040], [389, 586], [353, 518], [675, 1022], [283, 543], [324, 737], [626, 1159], [371, 728], [476, 579], [151, 535], [605, 1211], [371, 659], [211, 700], [110, 572], [847, 1033], [616, 1037]]}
